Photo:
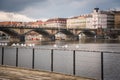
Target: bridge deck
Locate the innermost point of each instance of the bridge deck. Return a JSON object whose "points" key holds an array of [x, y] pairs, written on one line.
{"points": [[13, 73]]}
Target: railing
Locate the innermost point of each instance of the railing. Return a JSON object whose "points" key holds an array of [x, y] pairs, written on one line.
{"points": [[52, 58], [43, 27]]}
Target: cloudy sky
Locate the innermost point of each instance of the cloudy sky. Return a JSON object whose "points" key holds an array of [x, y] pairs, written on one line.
{"points": [[29, 10]]}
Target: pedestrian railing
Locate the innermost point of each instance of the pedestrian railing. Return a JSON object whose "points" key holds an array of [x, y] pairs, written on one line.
{"points": [[33, 55]]}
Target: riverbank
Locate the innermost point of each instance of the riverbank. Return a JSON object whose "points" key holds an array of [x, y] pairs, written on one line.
{"points": [[13, 73]]}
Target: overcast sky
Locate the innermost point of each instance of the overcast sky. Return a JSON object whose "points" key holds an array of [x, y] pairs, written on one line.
{"points": [[28, 10]]}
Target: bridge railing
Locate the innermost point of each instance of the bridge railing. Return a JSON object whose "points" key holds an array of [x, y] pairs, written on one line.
{"points": [[45, 27]]}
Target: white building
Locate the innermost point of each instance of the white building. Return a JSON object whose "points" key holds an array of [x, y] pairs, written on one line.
{"points": [[94, 20], [100, 19], [89, 22]]}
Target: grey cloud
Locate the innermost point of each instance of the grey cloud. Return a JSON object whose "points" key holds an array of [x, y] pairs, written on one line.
{"points": [[17, 5], [55, 8]]}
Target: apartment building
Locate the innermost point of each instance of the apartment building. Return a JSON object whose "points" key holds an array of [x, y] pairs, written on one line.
{"points": [[10, 23], [117, 19], [56, 22], [89, 22], [94, 20], [35, 24], [77, 22], [102, 19]]}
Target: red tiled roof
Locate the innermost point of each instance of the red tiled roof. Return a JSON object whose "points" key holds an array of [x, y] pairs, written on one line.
{"points": [[9, 23], [56, 19]]}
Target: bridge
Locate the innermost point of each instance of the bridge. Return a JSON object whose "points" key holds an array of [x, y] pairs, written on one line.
{"points": [[19, 33]]}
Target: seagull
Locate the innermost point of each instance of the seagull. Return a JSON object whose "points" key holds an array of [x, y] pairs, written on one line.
{"points": [[66, 46], [5, 44], [17, 44], [55, 45], [77, 46], [13, 44]]}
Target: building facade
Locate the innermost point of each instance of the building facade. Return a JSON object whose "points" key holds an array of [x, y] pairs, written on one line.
{"points": [[96, 19], [35, 24], [101, 19], [89, 22], [56, 22], [117, 19], [77, 22]]}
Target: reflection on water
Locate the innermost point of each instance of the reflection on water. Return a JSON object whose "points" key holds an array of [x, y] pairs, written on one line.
{"points": [[82, 41], [63, 42], [99, 41]]}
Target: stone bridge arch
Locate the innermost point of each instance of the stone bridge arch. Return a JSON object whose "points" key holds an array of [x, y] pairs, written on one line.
{"points": [[9, 31], [45, 34], [86, 33], [14, 36], [68, 34], [4, 35]]}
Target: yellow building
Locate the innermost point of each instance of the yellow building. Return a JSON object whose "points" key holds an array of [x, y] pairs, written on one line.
{"points": [[76, 22], [117, 19]]}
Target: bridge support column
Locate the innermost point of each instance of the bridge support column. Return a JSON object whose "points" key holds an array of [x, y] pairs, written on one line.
{"points": [[53, 38], [76, 37], [22, 38], [72, 38], [14, 39]]}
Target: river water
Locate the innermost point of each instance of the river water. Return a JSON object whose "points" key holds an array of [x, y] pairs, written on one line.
{"points": [[86, 44], [87, 63]]}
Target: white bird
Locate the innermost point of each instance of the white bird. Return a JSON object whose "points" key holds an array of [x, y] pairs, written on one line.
{"points": [[33, 45], [30, 45], [55, 45], [5, 44], [77, 46], [13, 44], [66, 46], [22, 45], [17, 44], [2, 44]]}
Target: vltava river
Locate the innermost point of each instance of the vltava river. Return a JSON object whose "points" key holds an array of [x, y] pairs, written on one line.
{"points": [[82, 41]]}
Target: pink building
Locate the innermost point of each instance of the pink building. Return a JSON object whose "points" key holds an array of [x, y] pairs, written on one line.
{"points": [[35, 24], [56, 22]]}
